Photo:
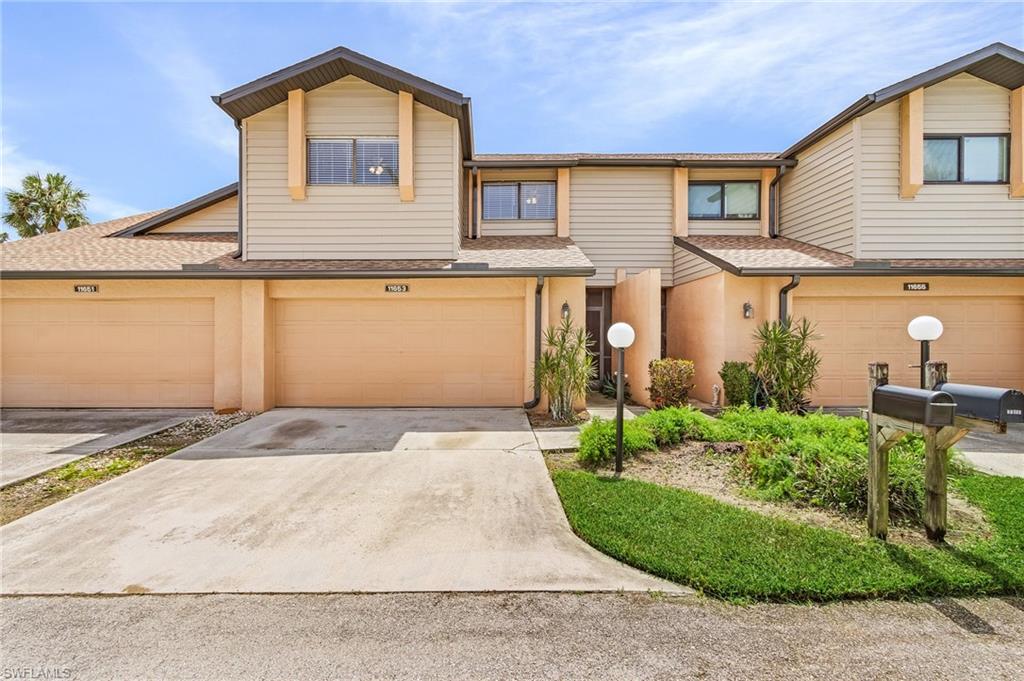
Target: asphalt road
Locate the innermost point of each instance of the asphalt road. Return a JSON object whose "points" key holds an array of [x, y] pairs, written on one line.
{"points": [[525, 635]]}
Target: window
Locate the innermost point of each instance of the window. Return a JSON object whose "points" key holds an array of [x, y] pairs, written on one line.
{"points": [[724, 200], [519, 201], [966, 159], [344, 161]]}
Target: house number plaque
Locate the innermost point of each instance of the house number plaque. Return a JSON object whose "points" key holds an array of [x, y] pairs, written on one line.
{"points": [[396, 288], [915, 286], [87, 288]]}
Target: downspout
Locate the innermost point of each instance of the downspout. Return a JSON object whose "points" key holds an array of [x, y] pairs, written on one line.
{"points": [[536, 341], [784, 297], [774, 191], [474, 209], [238, 253]]}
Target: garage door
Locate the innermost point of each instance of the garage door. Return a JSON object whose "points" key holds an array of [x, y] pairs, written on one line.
{"points": [[422, 352], [982, 341], [108, 353]]}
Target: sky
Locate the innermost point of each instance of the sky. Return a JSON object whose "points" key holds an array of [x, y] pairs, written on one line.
{"points": [[117, 96]]}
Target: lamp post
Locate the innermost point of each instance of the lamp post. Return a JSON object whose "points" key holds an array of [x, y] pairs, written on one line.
{"points": [[924, 329], [620, 336]]}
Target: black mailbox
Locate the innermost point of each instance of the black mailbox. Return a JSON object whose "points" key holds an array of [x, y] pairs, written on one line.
{"points": [[1002, 405], [927, 407]]}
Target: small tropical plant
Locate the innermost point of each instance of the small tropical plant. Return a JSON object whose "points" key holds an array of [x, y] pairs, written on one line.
{"points": [[670, 381], [739, 382], [565, 368], [43, 205], [786, 364], [609, 388]]}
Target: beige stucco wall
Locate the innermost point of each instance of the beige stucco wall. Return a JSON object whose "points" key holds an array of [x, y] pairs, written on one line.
{"points": [[984, 315], [227, 317], [244, 324], [637, 301], [220, 217], [351, 221]]}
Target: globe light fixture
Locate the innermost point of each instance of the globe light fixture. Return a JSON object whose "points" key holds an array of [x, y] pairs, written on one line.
{"points": [[925, 329], [620, 336]]}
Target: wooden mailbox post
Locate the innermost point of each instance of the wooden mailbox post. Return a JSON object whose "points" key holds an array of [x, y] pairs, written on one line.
{"points": [[884, 431]]}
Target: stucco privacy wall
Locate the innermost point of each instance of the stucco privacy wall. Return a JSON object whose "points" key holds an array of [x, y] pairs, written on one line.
{"points": [[622, 217], [636, 300], [351, 221], [227, 321], [942, 221], [570, 290], [220, 217]]}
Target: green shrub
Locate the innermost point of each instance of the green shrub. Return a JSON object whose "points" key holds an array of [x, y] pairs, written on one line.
{"points": [[670, 381], [739, 382], [597, 440], [785, 363]]}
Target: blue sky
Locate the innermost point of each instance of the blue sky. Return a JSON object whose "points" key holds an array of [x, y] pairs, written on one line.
{"points": [[117, 96]]}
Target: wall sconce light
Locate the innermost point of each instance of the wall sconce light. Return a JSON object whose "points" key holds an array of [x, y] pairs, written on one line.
{"points": [[748, 311], [566, 310]]}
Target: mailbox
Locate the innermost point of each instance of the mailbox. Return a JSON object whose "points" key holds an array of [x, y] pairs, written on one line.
{"points": [[1002, 405], [927, 407]]}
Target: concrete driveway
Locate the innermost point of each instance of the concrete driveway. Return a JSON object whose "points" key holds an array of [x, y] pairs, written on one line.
{"points": [[319, 500], [997, 454], [35, 440]]}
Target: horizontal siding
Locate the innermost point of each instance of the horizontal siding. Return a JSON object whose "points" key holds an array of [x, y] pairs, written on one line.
{"points": [[351, 221], [818, 194], [622, 217], [688, 266], [716, 174], [729, 227], [965, 104], [943, 221], [516, 227], [220, 217]]}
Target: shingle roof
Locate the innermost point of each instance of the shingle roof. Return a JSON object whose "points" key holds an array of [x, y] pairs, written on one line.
{"points": [[88, 249], [754, 255], [93, 249]]}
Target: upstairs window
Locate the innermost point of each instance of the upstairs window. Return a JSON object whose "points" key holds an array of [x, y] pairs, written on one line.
{"points": [[966, 159], [519, 201], [348, 161], [724, 200]]}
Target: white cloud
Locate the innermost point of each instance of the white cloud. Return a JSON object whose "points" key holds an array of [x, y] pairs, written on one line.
{"points": [[15, 165], [162, 43], [628, 69]]}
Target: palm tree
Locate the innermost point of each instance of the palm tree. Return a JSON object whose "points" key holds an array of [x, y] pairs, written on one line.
{"points": [[43, 205]]}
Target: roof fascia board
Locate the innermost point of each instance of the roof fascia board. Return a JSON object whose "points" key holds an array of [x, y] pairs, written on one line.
{"points": [[180, 211], [668, 163], [896, 90], [323, 274]]}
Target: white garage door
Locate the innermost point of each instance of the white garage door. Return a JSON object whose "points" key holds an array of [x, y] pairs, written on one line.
{"points": [[108, 353], [423, 352], [983, 341]]}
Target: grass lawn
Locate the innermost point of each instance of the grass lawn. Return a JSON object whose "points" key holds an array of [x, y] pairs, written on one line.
{"points": [[737, 554]]}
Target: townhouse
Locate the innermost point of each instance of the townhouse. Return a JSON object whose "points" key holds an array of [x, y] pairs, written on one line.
{"points": [[367, 256]]}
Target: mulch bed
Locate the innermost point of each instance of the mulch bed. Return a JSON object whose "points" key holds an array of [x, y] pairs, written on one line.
{"points": [[705, 468]]}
